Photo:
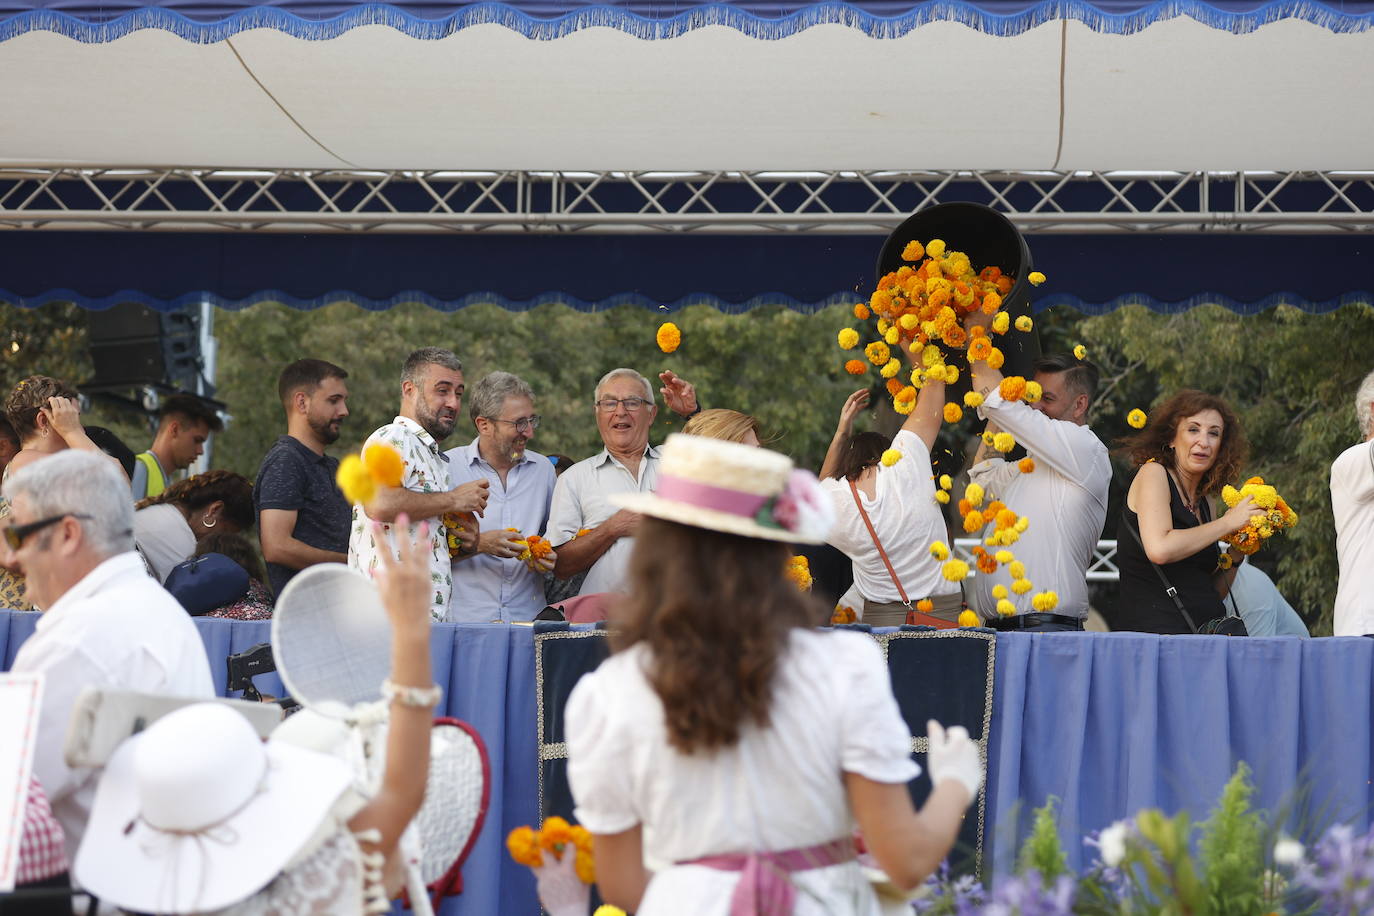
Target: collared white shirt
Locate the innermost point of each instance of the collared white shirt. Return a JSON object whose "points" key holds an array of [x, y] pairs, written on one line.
{"points": [[116, 628], [1065, 498], [426, 472], [489, 589], [582, 500], [1352, 505]]}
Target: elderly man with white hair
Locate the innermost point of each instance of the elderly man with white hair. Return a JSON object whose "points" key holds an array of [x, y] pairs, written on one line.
{"points": [[1352, 504], [105, 622], [625, 412]]}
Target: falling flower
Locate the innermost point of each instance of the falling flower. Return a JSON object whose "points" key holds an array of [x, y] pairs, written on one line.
{"points": [[890, 457], [939, 551], [1136, 418], [878, 353], [996, 358], [1045, 602], [892, 367], [1021, 586], [384, 464], [1017, 570], [974, 494], [936, 248], [1035, 277], [925, 605], [914, 251], [354, 481], [999, 591], [843, 614], [1000, 322], [892, 336], [1024, 323], [1005, 607], [979, 349], [1004, 556], [1004, 442], [669, 337], [849, 338], [942, 497], [951, 374], [968, 619], [973, 399], [861, 312], [1026, 465], [987, 438], [1033, 392], [798, 569], [1080, 352], [953, 412], [945, 482], [954, 570], [856, 367], [1012, 388], [973, 520]]}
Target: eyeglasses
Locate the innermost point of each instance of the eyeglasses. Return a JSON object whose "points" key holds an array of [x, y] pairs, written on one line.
{"points": [[16, 535], [609, 405], [522, 425]]}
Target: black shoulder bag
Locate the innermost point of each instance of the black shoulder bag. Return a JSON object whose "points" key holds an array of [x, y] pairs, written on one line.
{"points": [[1225, 625]]}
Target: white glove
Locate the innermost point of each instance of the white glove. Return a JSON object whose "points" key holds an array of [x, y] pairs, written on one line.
{"points": [[561, 892], [953, 755]]}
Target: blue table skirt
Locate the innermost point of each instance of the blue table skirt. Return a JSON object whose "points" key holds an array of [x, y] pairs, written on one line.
{"points": [[1108, 723]]}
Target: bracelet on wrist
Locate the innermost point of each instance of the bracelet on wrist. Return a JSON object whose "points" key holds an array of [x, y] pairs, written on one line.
{"points": [[417, 697]]}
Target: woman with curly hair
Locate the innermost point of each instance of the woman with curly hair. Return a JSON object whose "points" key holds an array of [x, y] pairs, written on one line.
{"points": [[167, 526], [1192, 446], [724, 751]]}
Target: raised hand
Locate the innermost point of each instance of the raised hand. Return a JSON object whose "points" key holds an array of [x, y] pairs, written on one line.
{"points": [[853, 406], [679, 394], [404, 582], [64, 416], [953, 755]]}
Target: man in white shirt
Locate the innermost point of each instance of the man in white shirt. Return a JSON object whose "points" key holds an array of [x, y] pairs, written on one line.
{"points": [[494, 585], [105, 624], [1352, 505], [625, 412], [1065, 496]]}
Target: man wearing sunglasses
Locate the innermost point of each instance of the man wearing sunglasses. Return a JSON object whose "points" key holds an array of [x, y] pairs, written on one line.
{"points": [[492, 585], [625, 412], [105, 622]]}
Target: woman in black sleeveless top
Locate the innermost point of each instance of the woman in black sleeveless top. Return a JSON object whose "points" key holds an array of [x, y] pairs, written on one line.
{"points": [[1191, 446]]}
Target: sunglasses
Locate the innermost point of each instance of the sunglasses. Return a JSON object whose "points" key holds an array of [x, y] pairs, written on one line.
{"points": [[16, 535]]}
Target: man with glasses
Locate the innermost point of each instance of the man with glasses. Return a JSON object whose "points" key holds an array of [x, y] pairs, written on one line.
{"points": [[625, 412], [105, 622], [492, 585]]}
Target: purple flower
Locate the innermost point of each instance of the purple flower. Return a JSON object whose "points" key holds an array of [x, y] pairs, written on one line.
{"points": [[1340, 870], [1026, 895]]}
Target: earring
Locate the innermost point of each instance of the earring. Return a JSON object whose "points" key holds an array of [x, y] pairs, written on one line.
{"points": [[209, 523]]}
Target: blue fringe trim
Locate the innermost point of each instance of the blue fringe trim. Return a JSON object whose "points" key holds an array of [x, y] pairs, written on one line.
{"points": [[712, 14], [1056, 300]]}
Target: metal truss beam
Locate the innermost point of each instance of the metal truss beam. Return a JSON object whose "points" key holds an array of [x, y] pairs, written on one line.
{"points": [[187, 199]]}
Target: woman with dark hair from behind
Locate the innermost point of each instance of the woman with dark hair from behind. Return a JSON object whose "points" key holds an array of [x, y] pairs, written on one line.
{"points": [[899, 501], [729, 743], [167, 526], [1190, 448]]}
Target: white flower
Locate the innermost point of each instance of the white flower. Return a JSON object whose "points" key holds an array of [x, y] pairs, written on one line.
{"points": [[1288, 851], [1112, 842]]}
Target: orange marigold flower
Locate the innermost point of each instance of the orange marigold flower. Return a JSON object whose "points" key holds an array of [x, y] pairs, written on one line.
{"points": [[843, 614], [995, 506], [585, 866], [979, 349], [861, 311], [991, 303], [940, 297], [954, 337], [964, 506], [523, 845], [555, 834], [953, 412], [1013, 388], [894, 385], [913, 251], [987, 563], [973, 521], [856, 367], [669, 338], [1026, 465], [906, 394], [925, 605], [1006, 518]]}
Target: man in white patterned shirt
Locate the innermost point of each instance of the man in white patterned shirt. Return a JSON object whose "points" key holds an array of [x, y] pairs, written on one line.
{"points": [[431, 396]]}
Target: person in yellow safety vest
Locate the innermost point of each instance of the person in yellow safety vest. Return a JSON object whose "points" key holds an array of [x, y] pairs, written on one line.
{"points": [[184, 423]]}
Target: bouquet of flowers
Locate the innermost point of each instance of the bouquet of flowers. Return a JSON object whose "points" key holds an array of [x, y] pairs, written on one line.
{"points": [[1277, 514], [566, 872], [798, 569]]}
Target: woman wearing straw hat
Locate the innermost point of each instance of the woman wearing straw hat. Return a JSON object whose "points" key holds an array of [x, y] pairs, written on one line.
{"points": [[728, 743], [196, 815]]}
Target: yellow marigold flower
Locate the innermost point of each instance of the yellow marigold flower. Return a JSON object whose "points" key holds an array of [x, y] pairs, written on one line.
{"points": [[936, 248], [1004, 556], [1026, 465], [968, 619], [953, 412], [1021, 586], [1045, 602], [974, 494], [942, 497], [861, 311], [856, 367], [991, 303], [1017, 569], [890, 457], [999, 590], [973, 521], [908, 322], [1013, 388], [945, 482], [1224, 561], [607, 910], [1035, 277], [939, 551], [954, 570], [1005, 608], [883, 325], [849, 338], [996, 358], [913, 251], [903, 407], [1000, 322], [877, 352], [354, 481], [798, 569], [1004, 442], [951, 375], [1006, 518], [669, 337], [987, 438], [1024, 323], [843, 614], [892, 336], [385, 464], [1136, 418], [891, 368], [1080, 352], [1021, 525], [1033, 392], [931, 355], [973, 399], [523, 845]]}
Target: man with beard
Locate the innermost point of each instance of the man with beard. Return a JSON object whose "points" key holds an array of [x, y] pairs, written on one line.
{"points": [[302, 516], [493, 585], [431, 396]]}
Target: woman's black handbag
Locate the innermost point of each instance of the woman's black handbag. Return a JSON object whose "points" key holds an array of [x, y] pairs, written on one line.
{"points": [[1225, 625]]}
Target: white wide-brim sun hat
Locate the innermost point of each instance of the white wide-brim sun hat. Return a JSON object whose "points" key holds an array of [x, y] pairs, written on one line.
{"points": [[197, 813], [735, 489]]}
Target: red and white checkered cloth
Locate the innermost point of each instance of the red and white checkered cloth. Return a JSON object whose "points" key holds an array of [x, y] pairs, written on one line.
{"points": [[42, 847]]}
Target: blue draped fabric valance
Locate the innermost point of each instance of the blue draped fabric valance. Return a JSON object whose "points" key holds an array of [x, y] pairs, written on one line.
{"points": [[1090, 273], [215, 20]]}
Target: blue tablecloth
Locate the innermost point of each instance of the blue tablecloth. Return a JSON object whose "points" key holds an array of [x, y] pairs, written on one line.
{"points": [[1108, 723]]}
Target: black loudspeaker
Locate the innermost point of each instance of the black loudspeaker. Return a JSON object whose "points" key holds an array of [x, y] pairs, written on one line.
{"points": [[132, 344]]}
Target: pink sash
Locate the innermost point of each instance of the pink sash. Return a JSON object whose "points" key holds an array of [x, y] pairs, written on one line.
{"points": [[765, 886]]}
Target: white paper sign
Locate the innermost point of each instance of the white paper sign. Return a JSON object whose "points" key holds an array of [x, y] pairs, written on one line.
{"points": [[19, 706]]}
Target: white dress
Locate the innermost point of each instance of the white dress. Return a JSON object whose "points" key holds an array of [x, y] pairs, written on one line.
{"points": [[778, 788]]}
